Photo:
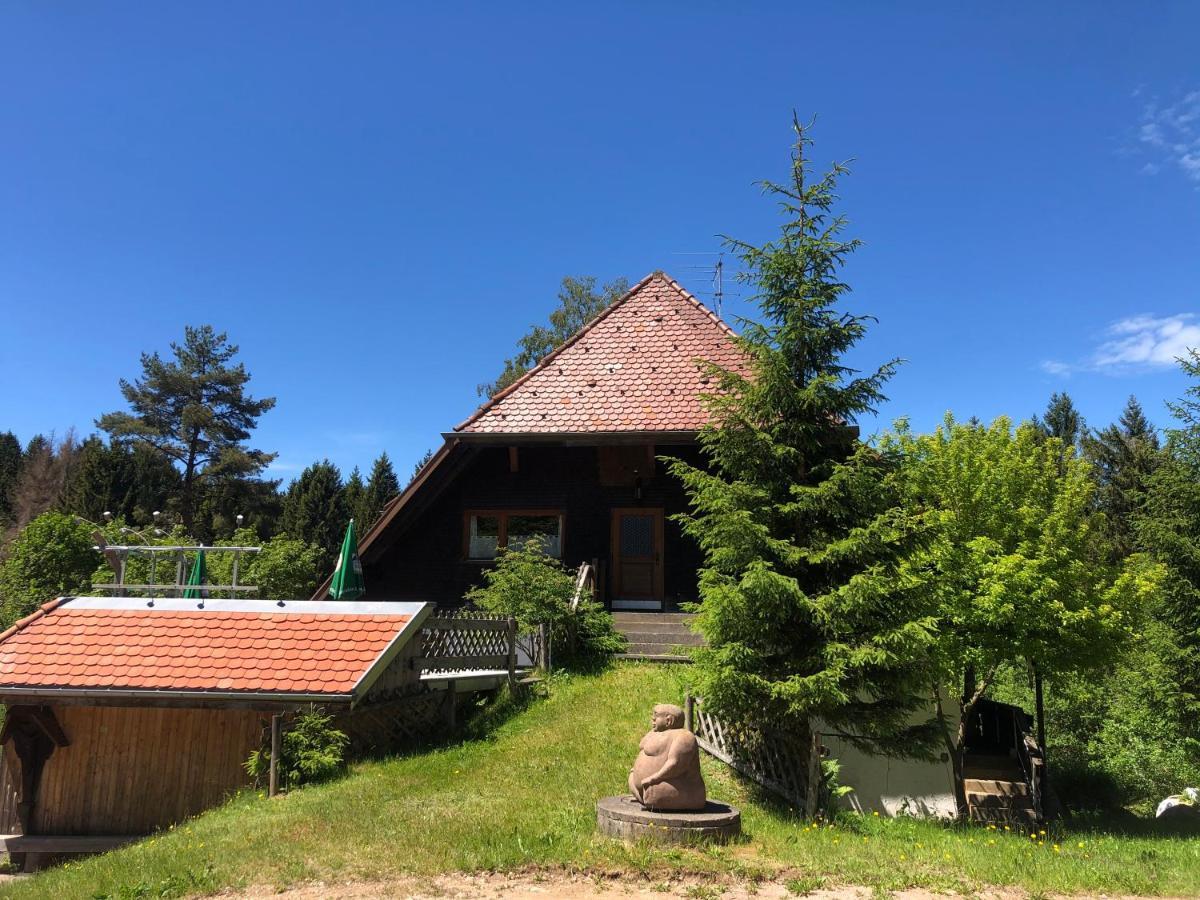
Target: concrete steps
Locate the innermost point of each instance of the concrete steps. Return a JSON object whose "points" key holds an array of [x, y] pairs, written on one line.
{"points": [[657, 637]]}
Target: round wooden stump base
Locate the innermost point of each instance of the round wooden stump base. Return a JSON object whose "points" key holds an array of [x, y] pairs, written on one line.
{"points": [[625, 818]]}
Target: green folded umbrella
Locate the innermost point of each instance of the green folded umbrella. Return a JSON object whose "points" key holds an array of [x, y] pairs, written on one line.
{"points": [[348, 581], [197, 579]]}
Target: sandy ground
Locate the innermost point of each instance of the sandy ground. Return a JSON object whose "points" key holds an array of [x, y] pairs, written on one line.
{"points": [[578, 887]]}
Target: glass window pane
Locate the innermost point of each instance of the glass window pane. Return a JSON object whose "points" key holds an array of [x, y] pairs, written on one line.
{"points": [[484, 537], [637, 535], [522, 529]]}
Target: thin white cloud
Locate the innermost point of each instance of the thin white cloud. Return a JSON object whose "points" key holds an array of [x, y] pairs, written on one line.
{"points": [[1138, 343], [1171, 133]]}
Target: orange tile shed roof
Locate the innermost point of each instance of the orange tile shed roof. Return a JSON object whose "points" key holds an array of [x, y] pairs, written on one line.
{"points": [[633, 368], [228, 646]]}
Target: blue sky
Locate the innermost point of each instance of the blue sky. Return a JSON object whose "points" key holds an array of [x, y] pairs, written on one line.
{"points": [[376, 200]]}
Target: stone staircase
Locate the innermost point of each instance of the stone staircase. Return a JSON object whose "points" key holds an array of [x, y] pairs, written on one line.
{"points": [[656, 636], [997, 792]]}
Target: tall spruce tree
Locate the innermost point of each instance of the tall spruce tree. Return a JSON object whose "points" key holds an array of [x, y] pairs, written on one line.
{"points": [[1123, 456], [314, 510], [194, 411], [102, 481], [382, 486], [796, 518], [354, 496], [1062, 420], [10, 467]]}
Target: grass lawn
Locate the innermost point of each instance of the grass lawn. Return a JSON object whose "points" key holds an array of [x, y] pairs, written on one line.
{"points": [[524, 797]]}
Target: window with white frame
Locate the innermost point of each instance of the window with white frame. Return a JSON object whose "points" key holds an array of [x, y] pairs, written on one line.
{"points": [[487, 530]]}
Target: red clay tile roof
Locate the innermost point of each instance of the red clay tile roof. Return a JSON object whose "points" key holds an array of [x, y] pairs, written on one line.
{"points": [[227, 646], [632, 368]]}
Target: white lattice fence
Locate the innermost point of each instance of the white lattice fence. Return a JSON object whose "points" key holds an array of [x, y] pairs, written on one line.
{"points": [[471, 640], [783, 764]]}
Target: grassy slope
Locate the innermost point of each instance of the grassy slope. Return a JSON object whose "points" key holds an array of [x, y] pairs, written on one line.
{"points": [[525, 797]]}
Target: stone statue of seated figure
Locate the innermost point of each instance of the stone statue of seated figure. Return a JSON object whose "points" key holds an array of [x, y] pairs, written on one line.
{"points": [[666, 774]]}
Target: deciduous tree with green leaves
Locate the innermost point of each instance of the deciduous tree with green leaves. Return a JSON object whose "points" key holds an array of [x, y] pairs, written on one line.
{"points": [[195, 411], [579, 301], [1016, 569], [51, 556], [801, 606]]}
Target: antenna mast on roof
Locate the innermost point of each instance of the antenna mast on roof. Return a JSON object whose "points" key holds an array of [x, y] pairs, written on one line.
{"points": [[720, 293]]}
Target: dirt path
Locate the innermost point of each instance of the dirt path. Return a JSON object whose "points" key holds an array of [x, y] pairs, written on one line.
{"points": [[579, 887]]}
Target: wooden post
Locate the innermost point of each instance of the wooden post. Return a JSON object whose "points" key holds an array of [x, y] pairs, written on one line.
{"points": [[689, 712], [450, 703], [544, 633], [512, 652], [1040, 710], [276, 727]]}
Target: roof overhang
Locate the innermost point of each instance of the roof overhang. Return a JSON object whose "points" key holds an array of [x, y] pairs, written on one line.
{"points": [[572, 438], [260, 700]]}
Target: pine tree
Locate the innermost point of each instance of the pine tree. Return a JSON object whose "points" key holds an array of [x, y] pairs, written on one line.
{"points": [[41, 483], [1123, 456], [1062, 420], [354, 496], [194, 411], [102, 481], [156, 485], [314, 510], [420, 464], [382, 486], [578, 303], [796, 518], [10, 467]]}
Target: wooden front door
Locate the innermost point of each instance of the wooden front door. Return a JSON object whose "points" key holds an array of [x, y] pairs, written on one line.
{"points": [[637, 558]]}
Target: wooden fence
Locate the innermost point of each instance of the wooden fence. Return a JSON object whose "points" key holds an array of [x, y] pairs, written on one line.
{"points": [[473, 641], [785, 765]]}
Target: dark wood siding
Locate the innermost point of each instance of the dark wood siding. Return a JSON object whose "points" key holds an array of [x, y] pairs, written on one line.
{"points": [[423, 560]]}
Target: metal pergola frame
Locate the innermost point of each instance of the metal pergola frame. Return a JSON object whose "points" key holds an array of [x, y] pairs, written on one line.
{"points": [[118, 554]]}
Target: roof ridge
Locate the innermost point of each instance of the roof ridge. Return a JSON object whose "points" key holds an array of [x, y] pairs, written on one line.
{"points": [[38, 613], [578, 335]]}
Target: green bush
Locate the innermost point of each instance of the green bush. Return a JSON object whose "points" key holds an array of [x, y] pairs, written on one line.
{"points": [[535, 589], [311, 750], [51, 556]]}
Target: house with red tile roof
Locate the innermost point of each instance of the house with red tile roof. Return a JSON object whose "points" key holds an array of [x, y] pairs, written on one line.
{"points": [[126, 714], [570, 453]]}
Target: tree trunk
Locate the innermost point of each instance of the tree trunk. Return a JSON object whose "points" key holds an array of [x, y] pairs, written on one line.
{"points": [[187, 501]]}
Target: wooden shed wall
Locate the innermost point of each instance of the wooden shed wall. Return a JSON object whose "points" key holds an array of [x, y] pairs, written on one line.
{"points": [[10, 822], [133, 770]]}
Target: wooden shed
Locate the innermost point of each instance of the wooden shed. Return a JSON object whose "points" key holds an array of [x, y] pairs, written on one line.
{"points": [[125, 715]]}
